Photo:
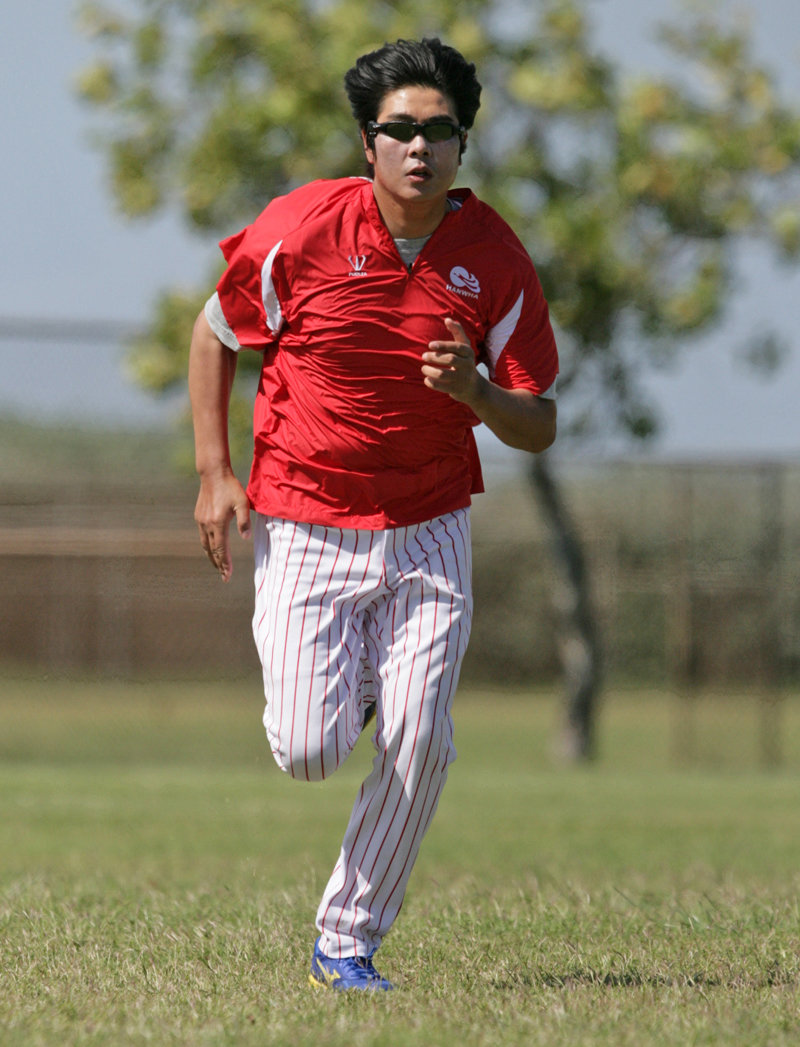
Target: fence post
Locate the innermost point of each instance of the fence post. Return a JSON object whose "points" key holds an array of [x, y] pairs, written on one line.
{"points": [[770, 563], [683, 669]]}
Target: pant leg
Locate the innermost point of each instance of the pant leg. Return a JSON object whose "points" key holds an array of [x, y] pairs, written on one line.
{"points": [[313, 585], [416, 636]]}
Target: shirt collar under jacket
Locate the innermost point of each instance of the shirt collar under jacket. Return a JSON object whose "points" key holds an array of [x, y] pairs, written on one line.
{"points": [[458, 200]]}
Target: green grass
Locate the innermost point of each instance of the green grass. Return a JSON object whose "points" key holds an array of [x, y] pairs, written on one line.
{"points": [[159, 878]]}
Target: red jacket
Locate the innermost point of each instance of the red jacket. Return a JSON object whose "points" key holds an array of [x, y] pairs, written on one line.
{"points": [[346, 433]]}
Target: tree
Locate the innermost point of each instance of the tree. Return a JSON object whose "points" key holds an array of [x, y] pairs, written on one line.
{"points": [[629, 195]]}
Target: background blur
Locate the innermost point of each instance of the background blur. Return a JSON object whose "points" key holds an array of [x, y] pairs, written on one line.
{"points": [[74, 266], [693, 544]]}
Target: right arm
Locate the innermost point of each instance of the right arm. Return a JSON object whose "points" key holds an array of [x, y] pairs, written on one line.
{"points": [[212, 367]]}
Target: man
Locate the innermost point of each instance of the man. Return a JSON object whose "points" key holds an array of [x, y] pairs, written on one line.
{"points": [[372, 300]]}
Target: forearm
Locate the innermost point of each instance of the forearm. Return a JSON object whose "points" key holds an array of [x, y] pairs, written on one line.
{"points": [[516, 416], [212, 367]]}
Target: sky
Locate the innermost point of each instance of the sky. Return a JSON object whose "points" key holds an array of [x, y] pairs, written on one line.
{"points": [[68, 255]]}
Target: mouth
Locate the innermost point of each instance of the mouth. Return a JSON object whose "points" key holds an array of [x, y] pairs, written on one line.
{"points": [[420, 174]]}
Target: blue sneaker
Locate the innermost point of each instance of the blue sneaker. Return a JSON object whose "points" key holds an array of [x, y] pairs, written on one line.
{"points": [[354, 972]]}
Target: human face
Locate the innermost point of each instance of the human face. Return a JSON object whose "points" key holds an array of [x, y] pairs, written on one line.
{"points": [[412, 178]]}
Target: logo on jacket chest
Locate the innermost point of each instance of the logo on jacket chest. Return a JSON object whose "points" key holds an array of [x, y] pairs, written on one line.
{"points": [[463, 282], [357, 264]]}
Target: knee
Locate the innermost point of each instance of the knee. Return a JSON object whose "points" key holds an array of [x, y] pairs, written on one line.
{"points": [[304, 763], [307, 749]]}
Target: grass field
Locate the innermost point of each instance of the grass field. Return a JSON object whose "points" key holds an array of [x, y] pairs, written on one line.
{"points": [[159, 879]]}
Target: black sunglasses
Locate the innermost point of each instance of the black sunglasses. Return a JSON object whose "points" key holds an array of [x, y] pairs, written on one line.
{"points": [[407, 130]]}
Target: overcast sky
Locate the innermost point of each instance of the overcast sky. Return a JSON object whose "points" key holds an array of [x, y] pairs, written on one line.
{"points": [[67, 254]]}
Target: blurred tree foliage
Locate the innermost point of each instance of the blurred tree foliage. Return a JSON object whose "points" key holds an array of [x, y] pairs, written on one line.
{"points": [[627, 193], [630, 194]]}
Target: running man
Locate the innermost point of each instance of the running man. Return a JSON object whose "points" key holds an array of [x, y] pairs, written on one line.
{"points": [[373, 301]]}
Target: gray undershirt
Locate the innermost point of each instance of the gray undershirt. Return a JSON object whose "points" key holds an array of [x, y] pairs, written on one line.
{"points": [[409, 249]]}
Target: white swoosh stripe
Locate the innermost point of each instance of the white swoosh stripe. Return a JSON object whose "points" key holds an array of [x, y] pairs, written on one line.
{"points": [[272, 307], [498, 336]]}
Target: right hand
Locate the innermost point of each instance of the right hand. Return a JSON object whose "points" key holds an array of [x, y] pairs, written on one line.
{"points": [[221, 499]]}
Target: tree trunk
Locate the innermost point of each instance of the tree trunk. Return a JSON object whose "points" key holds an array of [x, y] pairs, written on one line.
{"points": [[578, 638]]}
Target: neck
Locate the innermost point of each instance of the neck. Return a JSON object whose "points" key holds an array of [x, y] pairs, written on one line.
{"points": [[406, 221]]}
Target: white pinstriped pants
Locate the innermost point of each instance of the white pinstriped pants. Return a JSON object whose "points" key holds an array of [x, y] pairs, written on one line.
{"points": [[344, 617]]}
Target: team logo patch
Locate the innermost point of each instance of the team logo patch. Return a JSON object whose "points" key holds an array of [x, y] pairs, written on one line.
{"points": [[463, 282], [357, 263]]}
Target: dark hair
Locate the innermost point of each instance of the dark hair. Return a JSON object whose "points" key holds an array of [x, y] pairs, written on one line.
{"points": [[423, 63]]}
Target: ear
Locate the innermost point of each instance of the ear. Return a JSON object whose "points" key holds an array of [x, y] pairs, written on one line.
{"points": [[368, 152], [462, 148]]}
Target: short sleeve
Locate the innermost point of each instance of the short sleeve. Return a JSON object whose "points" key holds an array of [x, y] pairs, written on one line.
{"points": [[520, 345], [251, 292], [219, 325], [240, 297]]}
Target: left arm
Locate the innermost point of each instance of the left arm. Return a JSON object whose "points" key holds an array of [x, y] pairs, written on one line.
{"points": [[518, 417]]}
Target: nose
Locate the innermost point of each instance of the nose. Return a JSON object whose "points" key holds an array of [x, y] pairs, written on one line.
{"points": [[419, 143]]}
